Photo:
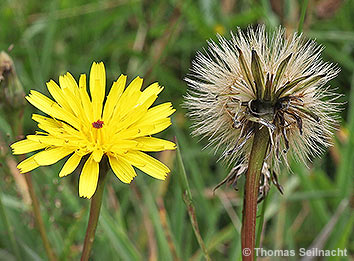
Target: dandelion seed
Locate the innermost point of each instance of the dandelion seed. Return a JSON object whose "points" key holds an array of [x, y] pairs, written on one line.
{"points": [[80, 126], [258, 80]]}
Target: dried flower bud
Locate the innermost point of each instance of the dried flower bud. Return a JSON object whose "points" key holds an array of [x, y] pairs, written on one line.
{"points": [[11, 91]]}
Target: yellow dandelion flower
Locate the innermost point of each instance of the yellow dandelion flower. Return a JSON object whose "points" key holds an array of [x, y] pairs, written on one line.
{"points": [[81, 126]]}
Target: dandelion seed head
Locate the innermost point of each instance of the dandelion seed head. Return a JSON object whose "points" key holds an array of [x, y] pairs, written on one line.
{"points": [[261, 80]]}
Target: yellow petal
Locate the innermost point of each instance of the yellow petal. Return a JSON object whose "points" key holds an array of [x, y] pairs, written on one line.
{"points": [[155, 120], [25, 146], [71, 131], [88, 178], [126, 134], [97, 154], [113, 97], [128, 100], [154, 144], [47, 140], [134, 115], [51, 156], [147, 164], [149, 128], [28, 164], [71, 91], [97, 88], [41, 101], [70, 83], [45, 122], [160, 126], [152, 90], [160, 111], [58, 95], [123, 170], [51, 108], [85, 99], [120, 145], [70, 165], [134, 87]]}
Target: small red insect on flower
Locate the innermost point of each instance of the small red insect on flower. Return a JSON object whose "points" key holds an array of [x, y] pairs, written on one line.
{"points": [[97, 124]]}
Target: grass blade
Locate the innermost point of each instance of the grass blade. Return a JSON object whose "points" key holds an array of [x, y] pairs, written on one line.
{"points": [[187, 198]]}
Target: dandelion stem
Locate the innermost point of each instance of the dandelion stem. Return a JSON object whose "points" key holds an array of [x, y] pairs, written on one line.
{"points": [[258, 153], [39, 219], [95, 208]]}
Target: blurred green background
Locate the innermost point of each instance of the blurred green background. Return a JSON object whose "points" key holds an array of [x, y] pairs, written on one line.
{"points": [[148, 220]]}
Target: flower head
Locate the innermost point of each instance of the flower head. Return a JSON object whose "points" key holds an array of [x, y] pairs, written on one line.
{"points": [[257, 80], [80, 126]]}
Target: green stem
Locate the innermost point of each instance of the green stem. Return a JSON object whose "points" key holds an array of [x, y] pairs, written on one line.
{"points": [[255, 164], [10, 231], [95, 208], [302, 16], [39, 219]]}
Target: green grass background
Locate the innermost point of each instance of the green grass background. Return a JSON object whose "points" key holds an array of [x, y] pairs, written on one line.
{"points": [[148, 220]]}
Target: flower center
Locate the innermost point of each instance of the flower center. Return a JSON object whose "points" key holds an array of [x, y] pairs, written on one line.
{"points": [[261, 108], [97, 124]]}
